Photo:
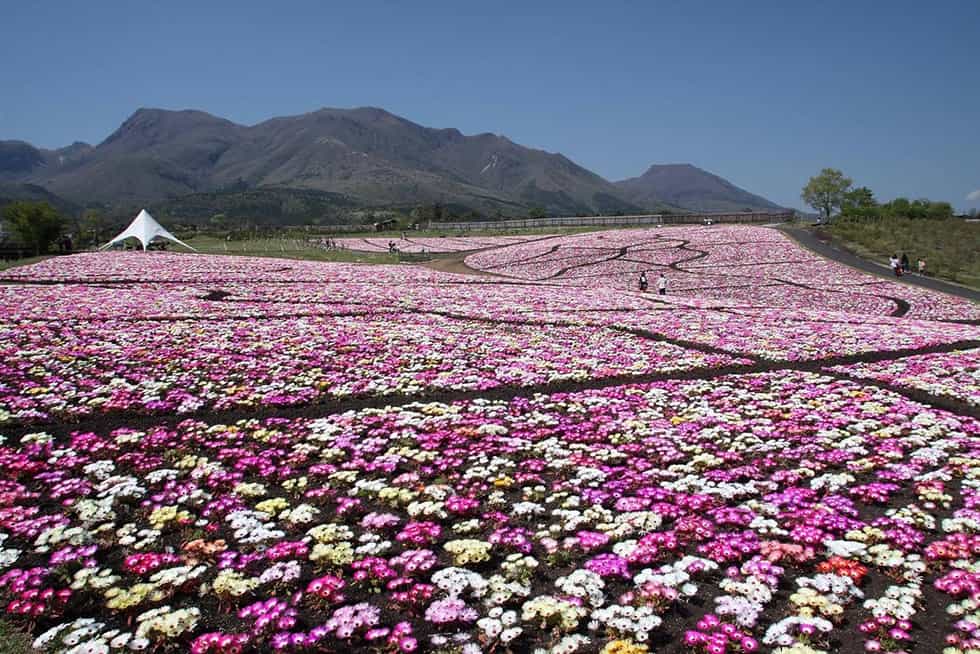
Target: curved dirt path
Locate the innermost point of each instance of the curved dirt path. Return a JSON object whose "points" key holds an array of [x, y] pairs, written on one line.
{"points": [[456, 264]]}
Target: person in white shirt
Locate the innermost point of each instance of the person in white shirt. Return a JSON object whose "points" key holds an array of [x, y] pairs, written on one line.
{"points": [[662, 284]]}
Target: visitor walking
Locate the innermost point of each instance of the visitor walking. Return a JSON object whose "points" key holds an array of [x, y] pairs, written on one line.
{"points": [[922, 266], [643, 281], [896, 265], [905, 263], [662, 284]]}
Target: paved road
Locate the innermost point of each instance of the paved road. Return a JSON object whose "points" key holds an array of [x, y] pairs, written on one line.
{"points": [[812, 243]]}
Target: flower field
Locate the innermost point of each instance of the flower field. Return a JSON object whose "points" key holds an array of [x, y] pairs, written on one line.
{"points": [[222, 454], [744, 265]]}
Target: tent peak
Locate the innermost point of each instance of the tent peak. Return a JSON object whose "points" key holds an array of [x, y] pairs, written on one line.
{"points": [[145, 228]]}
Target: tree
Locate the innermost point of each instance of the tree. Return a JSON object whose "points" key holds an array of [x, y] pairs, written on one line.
{"points": [[922, 208], [537, 212], [899, 207], [91, 226], [919, 208], [939, 210], [862, 196], [37, 224], [292, 206], [859, 203], [826, 191]]}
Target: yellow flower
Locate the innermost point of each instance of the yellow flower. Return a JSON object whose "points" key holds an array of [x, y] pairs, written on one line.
{"points": [[334, 554], [272, 506], [468, 551], [624, 647], [167, 514]]}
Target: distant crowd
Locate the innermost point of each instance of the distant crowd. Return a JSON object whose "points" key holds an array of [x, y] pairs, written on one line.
{"points": [[328, 244], [901, 265], [661, 283]]}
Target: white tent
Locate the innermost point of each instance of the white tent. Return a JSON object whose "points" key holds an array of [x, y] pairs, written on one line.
{"points": [[145, 229]]}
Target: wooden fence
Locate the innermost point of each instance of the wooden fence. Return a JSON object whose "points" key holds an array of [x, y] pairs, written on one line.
{"points": [[753, 218]]}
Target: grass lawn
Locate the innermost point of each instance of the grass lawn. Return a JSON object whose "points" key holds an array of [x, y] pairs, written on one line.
{"points": [[951, 248], [4, 265], [283, 248]]}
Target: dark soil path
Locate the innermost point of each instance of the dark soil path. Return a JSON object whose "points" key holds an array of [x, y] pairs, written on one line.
{"points": [[828, 250], [456, 264]]}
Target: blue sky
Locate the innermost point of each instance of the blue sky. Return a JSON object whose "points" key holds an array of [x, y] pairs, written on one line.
{"points": [[762, 93]]}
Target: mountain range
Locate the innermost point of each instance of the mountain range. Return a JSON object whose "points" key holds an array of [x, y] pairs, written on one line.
{"points": [[192, 162]]}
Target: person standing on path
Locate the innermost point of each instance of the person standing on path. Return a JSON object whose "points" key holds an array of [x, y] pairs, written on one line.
{"points": [[643, 281], [662, 284], [905, 263]]}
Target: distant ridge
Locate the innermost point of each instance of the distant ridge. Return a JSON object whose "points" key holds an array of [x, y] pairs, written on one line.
{"points": [[364, 157], [14, 192]]}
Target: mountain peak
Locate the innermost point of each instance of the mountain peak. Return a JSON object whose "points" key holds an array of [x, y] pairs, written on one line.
{"points": [[183, 117], [657, 168], [148, 125], [686, 185], [77, 146], [375, 111], [18, 158]]}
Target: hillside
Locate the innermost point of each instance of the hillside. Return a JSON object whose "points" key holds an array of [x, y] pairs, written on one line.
{"points": [[13, 192], [20, 161], [260, 206], [690, 187], [333, 159], [366, 155]]}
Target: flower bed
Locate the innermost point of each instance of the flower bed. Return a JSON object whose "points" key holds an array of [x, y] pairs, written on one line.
{"points": [[61, 371], [953, 374], [667, 515], [775, 336], [179, 268]]}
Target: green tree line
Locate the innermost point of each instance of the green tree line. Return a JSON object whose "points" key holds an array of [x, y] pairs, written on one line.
{"points": [[37, 225], [831, 191]]}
